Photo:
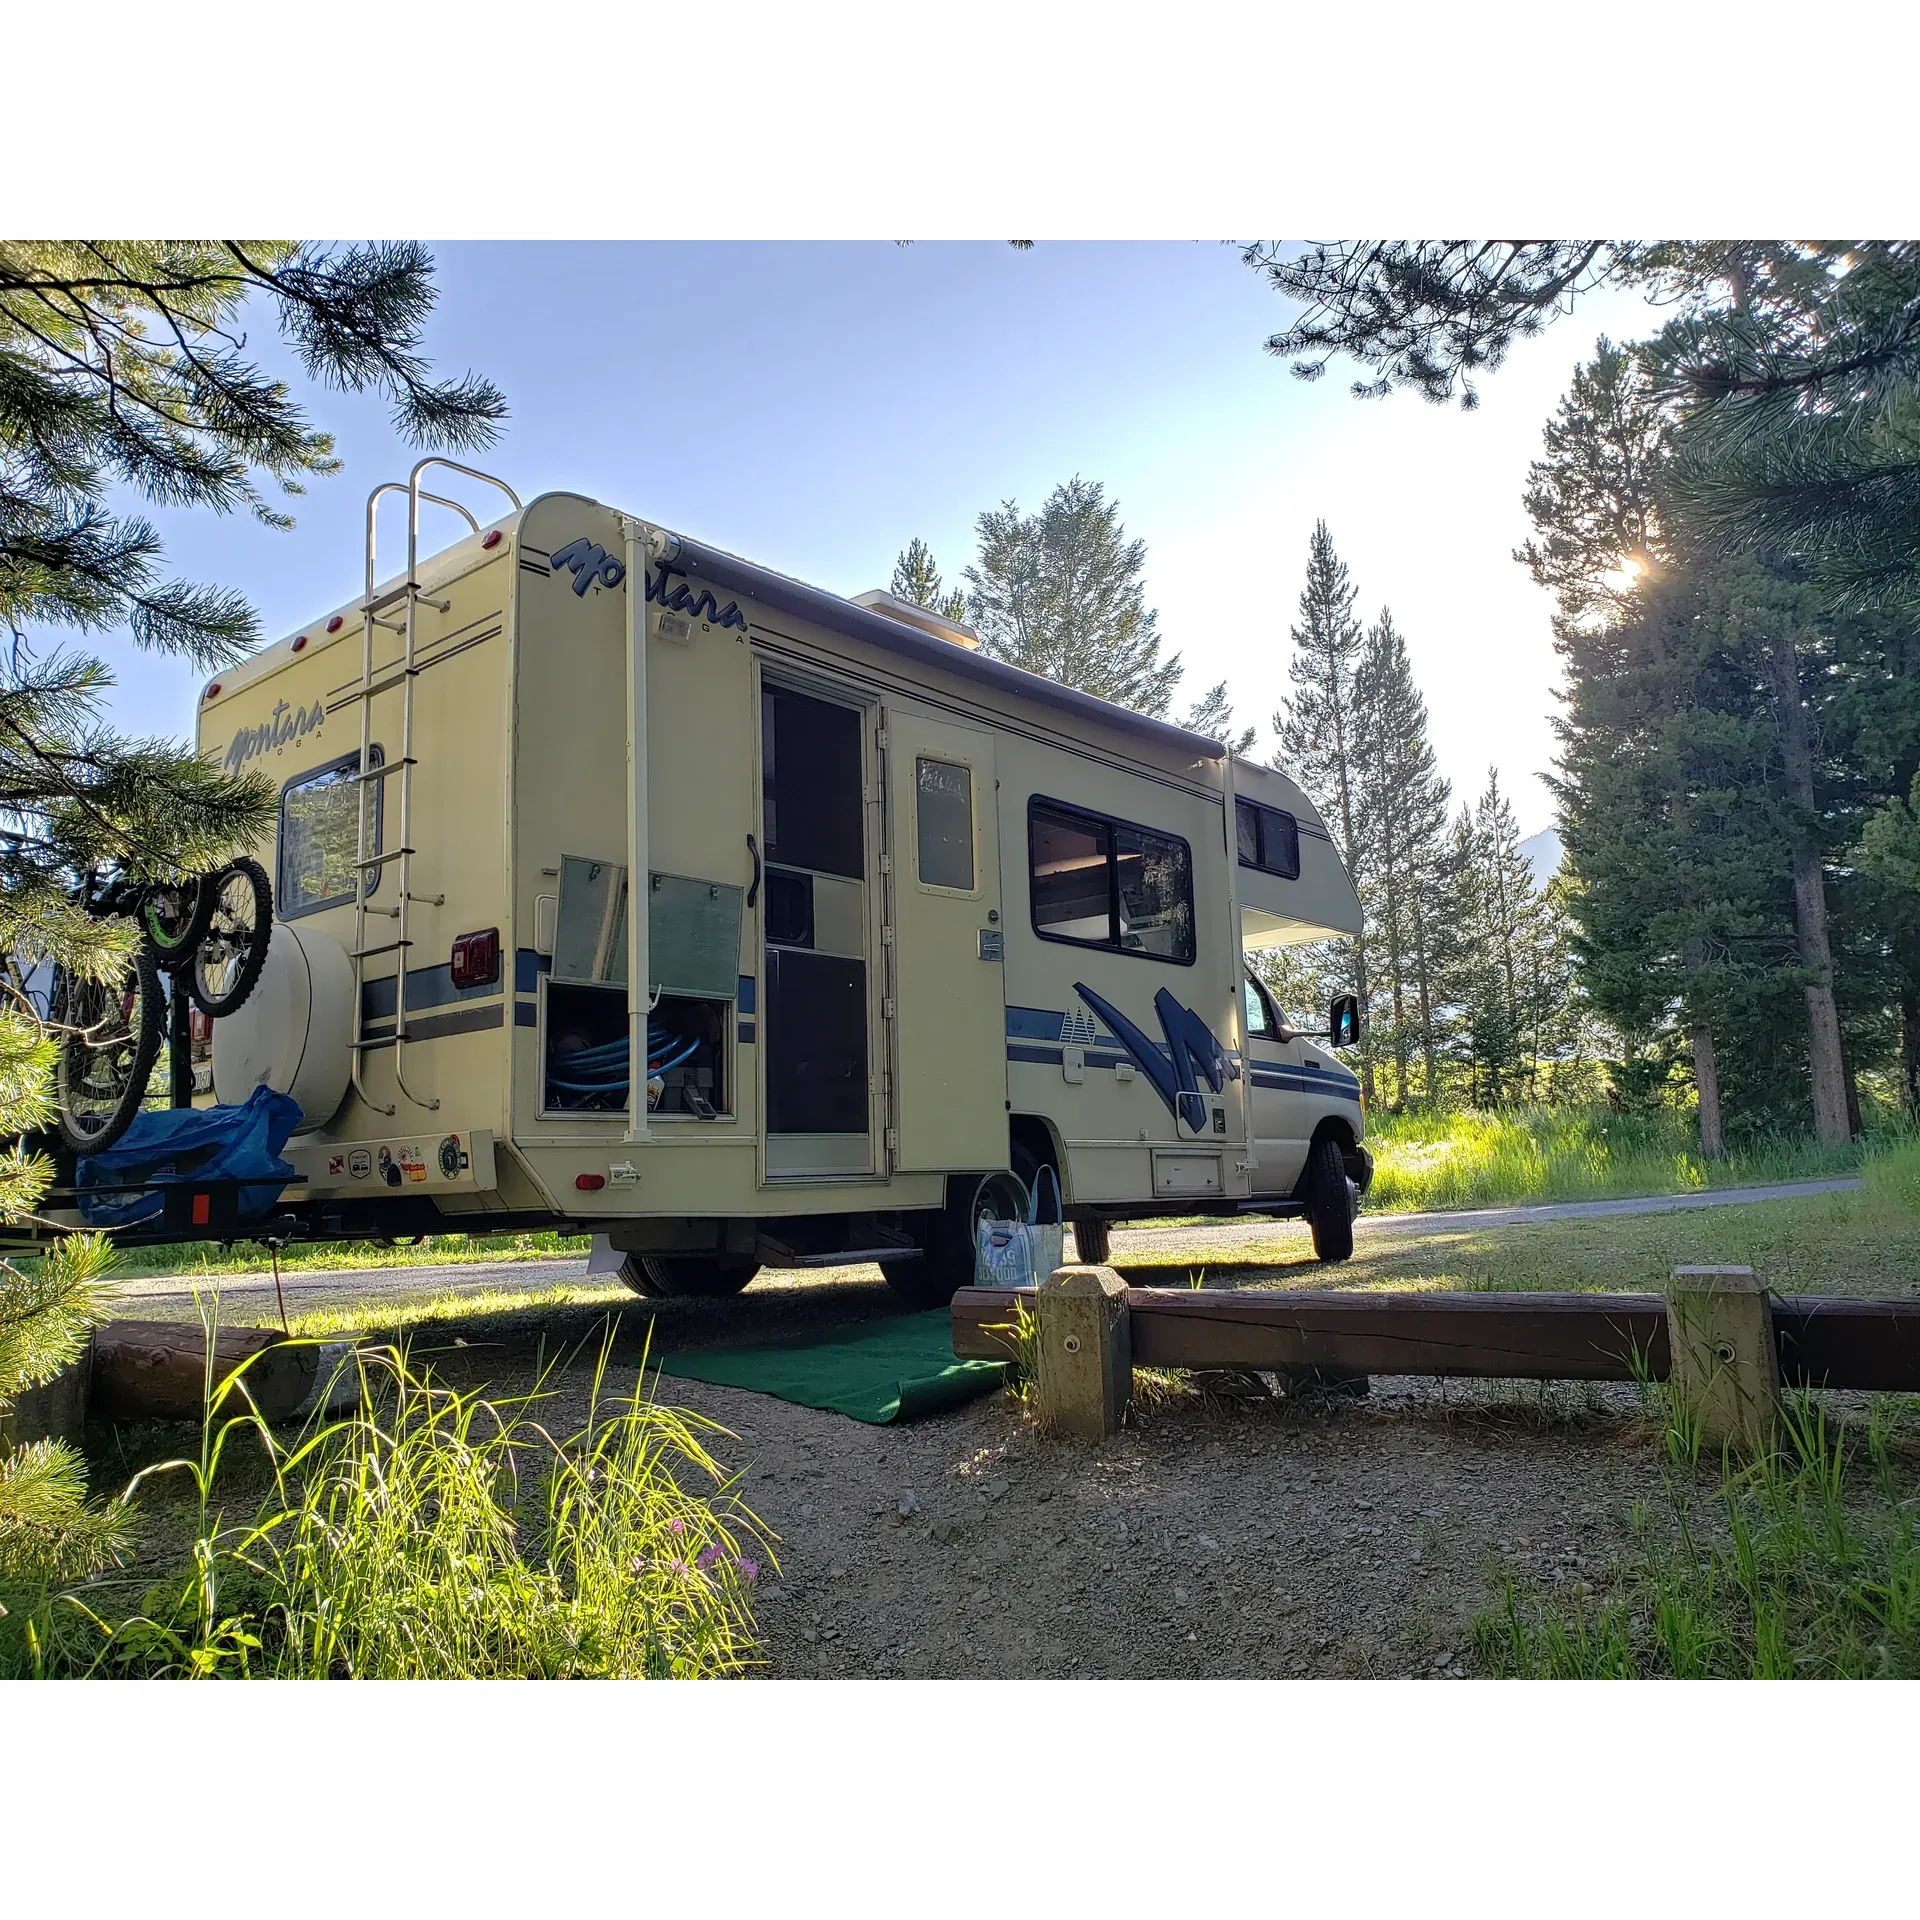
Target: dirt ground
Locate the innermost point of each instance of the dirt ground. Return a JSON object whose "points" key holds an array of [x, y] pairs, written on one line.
{"points": [[1216, 1537]]}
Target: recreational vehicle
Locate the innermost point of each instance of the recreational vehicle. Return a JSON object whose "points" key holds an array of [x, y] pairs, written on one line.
{"points": [[623, 886]]}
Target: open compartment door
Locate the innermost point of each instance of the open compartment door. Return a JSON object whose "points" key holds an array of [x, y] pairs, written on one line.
{"points": [[947, 981]]}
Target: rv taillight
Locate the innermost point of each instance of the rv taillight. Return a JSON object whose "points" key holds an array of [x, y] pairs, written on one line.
{"points": [[199, 1028], [335, 624], [589, 1182], [476, 959]]}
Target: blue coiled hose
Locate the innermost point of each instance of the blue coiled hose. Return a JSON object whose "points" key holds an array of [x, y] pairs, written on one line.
{"points": [[604, 1069]]}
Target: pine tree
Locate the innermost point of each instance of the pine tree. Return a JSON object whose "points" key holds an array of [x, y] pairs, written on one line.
{"points": [[1061, 593], [124, 375], [1212, 716], [917, 579], [1405, 803], [1692, 671], [1318, 740]]}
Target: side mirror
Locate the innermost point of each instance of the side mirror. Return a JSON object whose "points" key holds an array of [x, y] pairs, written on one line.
{"points": [[1343, 1021]]}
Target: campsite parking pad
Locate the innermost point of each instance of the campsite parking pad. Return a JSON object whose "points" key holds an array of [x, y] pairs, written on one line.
{"points": [[1214, 1539]]}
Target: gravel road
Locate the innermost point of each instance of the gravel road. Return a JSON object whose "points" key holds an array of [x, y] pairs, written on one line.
{"points": [[165, 1297]]}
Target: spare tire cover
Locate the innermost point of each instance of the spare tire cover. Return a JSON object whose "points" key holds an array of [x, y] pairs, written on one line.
{"points": [[294, 1031]]}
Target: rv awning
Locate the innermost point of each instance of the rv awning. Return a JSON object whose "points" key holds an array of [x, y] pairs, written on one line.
{"points": [[795, 597]]}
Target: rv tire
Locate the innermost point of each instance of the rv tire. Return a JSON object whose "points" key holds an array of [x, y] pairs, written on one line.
{"points": [[1092, 1240], [1329, 1201], [660, 1276]]}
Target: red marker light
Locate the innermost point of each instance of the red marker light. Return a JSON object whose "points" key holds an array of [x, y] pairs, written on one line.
{"points": [[491, 541], [335, 624], [299, 641], [589, 1182], [212, 692]]}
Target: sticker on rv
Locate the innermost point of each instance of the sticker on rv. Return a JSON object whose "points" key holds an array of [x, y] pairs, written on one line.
{"points": [[287, 723], [589, 562]]}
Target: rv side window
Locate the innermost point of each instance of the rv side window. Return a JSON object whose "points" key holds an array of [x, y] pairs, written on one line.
{"points": [[943, 823], [1269, 839], [320, 836], [1259, 1026], [1106, 883]]}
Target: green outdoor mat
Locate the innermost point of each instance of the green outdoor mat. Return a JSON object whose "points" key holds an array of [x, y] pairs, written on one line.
{"points": [[899, 1369]]}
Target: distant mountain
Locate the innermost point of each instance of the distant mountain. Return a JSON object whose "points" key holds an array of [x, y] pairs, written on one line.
{"points": [[1544, 853]]}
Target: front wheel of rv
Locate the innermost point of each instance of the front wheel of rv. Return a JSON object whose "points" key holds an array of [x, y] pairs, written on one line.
{"points": [[1329, 1201], [660, 1276]]}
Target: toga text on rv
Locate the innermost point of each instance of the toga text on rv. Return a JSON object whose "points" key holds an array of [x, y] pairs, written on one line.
{"points": [[622, 886]]}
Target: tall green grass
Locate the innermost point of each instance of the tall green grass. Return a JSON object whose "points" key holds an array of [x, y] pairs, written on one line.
{"points": [[435, 1534], [1518, 1155], [1804, 1564]]}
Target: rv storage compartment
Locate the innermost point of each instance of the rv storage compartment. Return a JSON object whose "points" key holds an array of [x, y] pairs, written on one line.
{"points": [[587, 1060], [686, 1057]]}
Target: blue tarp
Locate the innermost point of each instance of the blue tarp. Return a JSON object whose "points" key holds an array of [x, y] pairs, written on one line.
{"points": [[182, 1144]]}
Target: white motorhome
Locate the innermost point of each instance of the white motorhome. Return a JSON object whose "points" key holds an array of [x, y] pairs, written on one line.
{"points": [[909, 925]]}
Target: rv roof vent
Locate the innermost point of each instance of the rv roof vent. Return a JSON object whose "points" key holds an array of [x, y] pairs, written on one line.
{"points": [[894, 608]]}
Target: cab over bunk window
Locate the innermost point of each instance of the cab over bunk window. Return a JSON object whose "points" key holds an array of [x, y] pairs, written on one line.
{"points": [[1269, 839], [320, 836], [1100, 882]]}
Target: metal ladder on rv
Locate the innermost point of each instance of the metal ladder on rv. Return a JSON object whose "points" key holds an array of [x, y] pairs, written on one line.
{"points": [[375, 611]]}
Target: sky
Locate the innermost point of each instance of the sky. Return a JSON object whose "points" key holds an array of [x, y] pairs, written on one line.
{"points": [[814, 406]]}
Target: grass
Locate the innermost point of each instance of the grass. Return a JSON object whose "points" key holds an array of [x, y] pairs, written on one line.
{"points": [[1520, 1155], [198, 1260], [433, 1534], [1864, 1242], [1804, 1564]]}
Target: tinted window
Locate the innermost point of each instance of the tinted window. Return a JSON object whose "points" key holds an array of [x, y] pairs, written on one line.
{"points": [[1106, 883], [1156, 893], [1072, 885], [943, 822], [320, 836], [1269, 839], [1259, 1027]]}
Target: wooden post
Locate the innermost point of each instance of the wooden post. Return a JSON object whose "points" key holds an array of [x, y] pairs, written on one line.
{"points": [[1085, 1361], [1725, 1363]]}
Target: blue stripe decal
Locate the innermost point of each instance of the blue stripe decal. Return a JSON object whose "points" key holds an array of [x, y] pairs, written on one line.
{"points": [[426, 987], [525, 1014], [528, 966], [1038, 1056], [746, 993], [1299, 1083], [746, 1033]]}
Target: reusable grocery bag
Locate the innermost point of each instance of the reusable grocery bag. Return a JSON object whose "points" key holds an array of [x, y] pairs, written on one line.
{"points": [[1021, 1253]]}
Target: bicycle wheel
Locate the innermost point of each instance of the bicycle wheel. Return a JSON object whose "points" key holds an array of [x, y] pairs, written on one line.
{"points": [[227, 962], [110, 1040], [173, 919]]}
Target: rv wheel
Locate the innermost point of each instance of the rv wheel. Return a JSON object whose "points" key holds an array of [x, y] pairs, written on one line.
{"points": [[1092, 1240], [1329, 1201], [679, 1276]]}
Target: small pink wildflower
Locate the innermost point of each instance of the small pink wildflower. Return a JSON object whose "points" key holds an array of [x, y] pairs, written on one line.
{"points": [[748, 1570], [676, 1526]]}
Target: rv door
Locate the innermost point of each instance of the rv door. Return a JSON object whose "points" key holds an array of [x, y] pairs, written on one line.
{"points": [[946, 979]]}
